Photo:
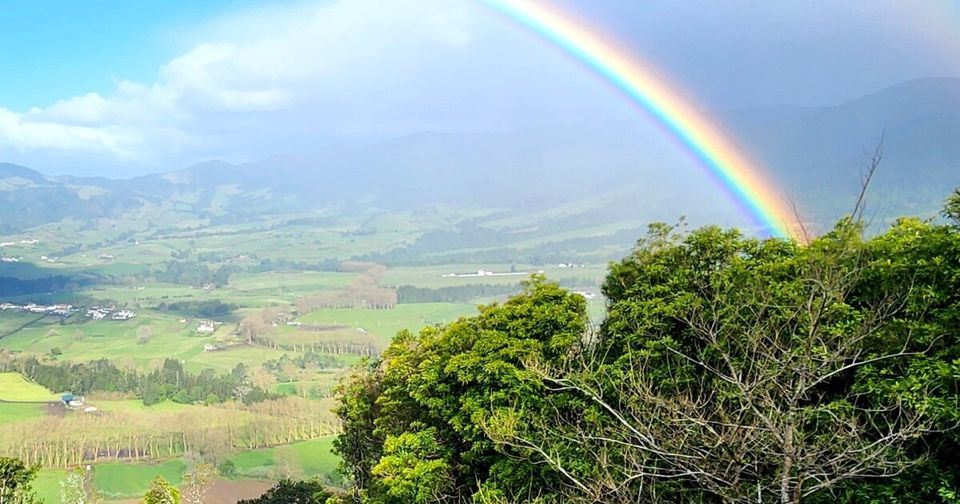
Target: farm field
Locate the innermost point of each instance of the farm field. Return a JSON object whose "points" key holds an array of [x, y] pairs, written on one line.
{"points": [[124, 480], [15, 412], [273, 265], [433, 276], [15, 388], [386, 323], [305, 459], [120, 481]]}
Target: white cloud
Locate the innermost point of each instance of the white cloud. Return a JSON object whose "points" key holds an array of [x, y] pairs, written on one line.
{"points": [[330, 61]]}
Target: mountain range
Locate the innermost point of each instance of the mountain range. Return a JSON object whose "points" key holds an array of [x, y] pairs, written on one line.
{"points": [[815, 153]]}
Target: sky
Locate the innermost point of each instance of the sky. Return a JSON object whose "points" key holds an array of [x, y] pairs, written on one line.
{"points": [[120, 88]]}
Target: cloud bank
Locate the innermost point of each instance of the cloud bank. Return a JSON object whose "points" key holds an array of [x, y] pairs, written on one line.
{"points": [[290, 78]]}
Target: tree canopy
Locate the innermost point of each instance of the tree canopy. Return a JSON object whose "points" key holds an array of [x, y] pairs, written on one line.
{"points": [[727, 369]]}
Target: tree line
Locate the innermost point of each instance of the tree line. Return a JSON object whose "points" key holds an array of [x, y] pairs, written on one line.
{"points": [[728, 369], [362, 292], [169, 382], [208, 308], [148, 435]]}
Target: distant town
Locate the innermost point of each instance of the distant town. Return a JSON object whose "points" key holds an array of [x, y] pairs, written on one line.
{"points": [[67, 310]]}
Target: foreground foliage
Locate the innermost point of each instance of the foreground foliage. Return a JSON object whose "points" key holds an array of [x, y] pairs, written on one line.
{"points": [[728, 369], [293, 492], [16, 479]]}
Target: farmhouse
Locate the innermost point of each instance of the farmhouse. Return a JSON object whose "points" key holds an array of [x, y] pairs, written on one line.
{"points": [[72, 400]]}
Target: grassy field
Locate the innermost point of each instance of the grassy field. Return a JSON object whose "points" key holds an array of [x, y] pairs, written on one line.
{"points": [[130, 480], [299, 460], [123, 343], [386, 323], [126, 480], [14, 387], [433, 276], [12, 412], [47, 485]]}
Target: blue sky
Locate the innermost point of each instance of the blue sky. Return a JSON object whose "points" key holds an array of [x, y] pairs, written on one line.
{"points": [[127, 87], [58, 49]]}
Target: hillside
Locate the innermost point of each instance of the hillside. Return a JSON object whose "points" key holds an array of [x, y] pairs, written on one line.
{"points": [[596, 173]]}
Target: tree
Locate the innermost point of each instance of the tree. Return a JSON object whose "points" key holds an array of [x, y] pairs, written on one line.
{"points": [[15, 481], [412, 423], [293, 492], [736, 370], [197, 482], [227, 468], [161, 492], [77, 488], [952, 208]]}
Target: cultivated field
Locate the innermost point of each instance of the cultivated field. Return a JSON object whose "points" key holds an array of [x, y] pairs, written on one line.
{"points": [[15, 388]]}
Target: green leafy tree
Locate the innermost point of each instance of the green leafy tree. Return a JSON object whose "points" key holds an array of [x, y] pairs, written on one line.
{"points": [[731, 369], [161, 492], [952, 209], [16, 480], [293, 492], [413, 422], [414, 468], [227, 468]]}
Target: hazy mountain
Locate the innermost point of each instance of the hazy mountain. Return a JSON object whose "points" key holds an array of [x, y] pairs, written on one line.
{"points": [[816, 153]]}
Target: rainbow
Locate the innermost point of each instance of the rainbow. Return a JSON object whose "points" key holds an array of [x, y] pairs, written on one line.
{"points": [[760, 199]]}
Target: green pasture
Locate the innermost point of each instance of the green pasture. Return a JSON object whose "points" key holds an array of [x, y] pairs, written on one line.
{"points": [[300, 282], [433, 276], [12, 321], [386, 323], [121, 480], [88, 339], [14, 412], [120, 341], [15, 388], [47, 485], [325, 380], [305, 459]]}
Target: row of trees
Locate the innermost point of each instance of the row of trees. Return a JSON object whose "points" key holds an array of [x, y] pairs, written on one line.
{"points": [[362, 292], [210, 432], [208, 308], [195, 274], [169, 382], [728, 369]]}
